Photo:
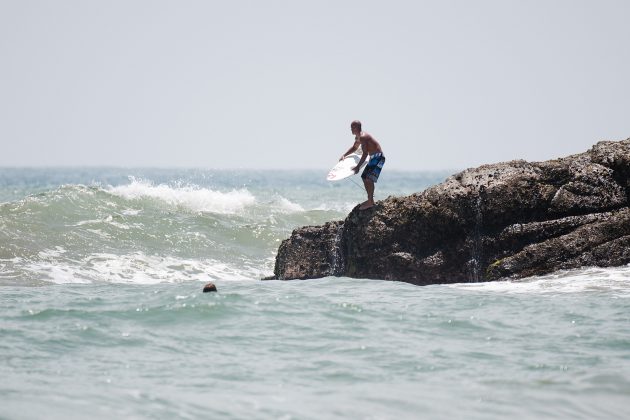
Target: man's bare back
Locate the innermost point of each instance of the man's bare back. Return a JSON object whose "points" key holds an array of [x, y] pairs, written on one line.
{"points": [[368, 143], [369, 146]]}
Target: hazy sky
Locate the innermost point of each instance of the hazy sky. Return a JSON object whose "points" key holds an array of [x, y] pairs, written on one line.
{"points": [[275, 84]]}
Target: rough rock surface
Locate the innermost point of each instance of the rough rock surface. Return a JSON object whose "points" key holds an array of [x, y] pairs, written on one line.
{"points": [[505, 220]]}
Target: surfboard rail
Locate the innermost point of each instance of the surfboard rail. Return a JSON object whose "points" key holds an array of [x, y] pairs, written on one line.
{"points": [[343, 168]]}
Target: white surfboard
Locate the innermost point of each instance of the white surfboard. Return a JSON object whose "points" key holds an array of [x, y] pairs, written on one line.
{"points": [[343, 169]]}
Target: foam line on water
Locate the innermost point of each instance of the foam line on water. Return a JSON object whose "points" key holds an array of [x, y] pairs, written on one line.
{"points": [[341, 207], [285, 205], [191, 197], [588, 279], [136, 268]]}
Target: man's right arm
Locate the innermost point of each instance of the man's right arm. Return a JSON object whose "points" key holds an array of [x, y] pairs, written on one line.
{"points": [[354, 147]]}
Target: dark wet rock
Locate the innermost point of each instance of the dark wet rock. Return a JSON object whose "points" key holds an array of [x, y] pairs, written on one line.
{"points": [[210, 287], [318, 245], [504, 220]]}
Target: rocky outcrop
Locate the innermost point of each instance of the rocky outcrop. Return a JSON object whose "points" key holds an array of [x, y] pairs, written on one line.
{"points": [[310, 252], [505, 220]]}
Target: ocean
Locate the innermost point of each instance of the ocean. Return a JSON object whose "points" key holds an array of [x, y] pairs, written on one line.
{"points": [[102, 313]]}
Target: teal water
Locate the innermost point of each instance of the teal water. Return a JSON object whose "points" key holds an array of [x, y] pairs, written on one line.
{"points": [[102, 315]]}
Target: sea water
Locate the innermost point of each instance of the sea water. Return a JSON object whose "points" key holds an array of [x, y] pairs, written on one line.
{"points": [[102, 313]]}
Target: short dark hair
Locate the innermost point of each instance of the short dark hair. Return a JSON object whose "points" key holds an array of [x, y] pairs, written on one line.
{"points": [[356, 123]]}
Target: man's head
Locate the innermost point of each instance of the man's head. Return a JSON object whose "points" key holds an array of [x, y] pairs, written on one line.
{"points": [[355, 127]]}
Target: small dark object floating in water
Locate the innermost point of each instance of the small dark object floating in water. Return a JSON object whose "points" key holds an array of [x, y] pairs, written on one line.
{"points": [[210, 287]]}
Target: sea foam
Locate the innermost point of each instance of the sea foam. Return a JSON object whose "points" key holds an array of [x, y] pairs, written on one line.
{"points": [[587, 279], [135, 268], [190, 197]]}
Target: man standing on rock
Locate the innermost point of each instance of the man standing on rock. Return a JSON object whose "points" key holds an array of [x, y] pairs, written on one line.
{"points": [[372, 170]]}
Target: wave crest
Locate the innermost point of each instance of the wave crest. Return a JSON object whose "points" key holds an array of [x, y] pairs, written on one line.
{"points": [[190, 197], [135, 268]]}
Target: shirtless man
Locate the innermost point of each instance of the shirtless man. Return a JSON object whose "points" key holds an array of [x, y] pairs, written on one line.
{"points": [[372, 170]]}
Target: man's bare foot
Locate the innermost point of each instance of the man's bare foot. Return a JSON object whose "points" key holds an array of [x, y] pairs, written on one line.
{"points": [[366, 205]]}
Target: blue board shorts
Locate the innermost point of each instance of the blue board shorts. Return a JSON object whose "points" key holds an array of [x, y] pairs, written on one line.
{"points": [[373, 168]]}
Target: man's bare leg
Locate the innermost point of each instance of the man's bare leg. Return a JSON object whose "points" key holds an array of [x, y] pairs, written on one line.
{"points": [[369, 187]]}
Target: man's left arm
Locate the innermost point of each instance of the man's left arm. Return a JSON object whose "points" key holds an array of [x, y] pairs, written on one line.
{"points": [[363, 157]]}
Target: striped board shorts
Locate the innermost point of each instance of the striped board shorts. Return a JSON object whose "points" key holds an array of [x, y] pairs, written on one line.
{"points": [[373, 168]]}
